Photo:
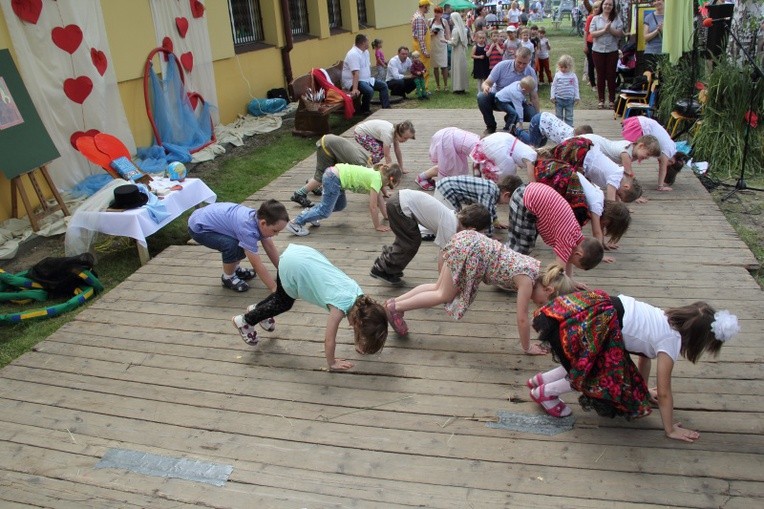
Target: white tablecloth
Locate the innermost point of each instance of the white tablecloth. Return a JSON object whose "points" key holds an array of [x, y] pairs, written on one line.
{"points": [[136, 223]]}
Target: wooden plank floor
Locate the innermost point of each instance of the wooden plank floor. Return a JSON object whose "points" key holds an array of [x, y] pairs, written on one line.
{"points": [[155, 366]]}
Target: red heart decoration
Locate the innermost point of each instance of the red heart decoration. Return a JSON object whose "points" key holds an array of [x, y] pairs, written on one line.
{"points": [[67, 38], [193, 98], [78, 89], [197, 8], [182, 24], [27, 10], [187, 60], [99, 60], [167, 45], [79, 134]]}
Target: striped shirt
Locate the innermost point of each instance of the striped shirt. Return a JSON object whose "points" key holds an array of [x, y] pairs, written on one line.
{"points": [[555, 220], [463, 190], [495, 55], [565, 85]]}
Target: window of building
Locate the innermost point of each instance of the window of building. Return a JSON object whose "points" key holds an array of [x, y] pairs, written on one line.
{"points": [[335, 14], [246, 22], [298, 10], [362, 20]]}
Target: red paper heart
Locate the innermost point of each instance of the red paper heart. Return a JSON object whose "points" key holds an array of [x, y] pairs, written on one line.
{"points": [[67, 38], [79, 134], [182, 24], [197, 8], [27, 10], [167, 45], [193, 98], [187, 60], [78, 89], [99, 60]]}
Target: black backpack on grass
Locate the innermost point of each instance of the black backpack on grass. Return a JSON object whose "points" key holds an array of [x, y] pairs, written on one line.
{"points": [[60, 276]]}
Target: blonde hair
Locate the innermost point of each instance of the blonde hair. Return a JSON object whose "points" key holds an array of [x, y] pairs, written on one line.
{"points": [[528, 83], [415, 54], [565, 62], [651, 143], [554, 275], [369, 321]]}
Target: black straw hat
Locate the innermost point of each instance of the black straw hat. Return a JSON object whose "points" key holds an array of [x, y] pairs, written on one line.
{"points": [[128, 197]]}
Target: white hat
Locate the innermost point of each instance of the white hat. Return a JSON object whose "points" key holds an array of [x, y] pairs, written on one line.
{"points": [[511, 28]]}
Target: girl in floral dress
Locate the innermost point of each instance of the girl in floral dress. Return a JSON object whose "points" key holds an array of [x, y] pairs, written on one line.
{"points": [[471, 258], [592, 334]]}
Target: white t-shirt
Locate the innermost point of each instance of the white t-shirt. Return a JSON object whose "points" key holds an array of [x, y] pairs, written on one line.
{"points": [[396, 69], [356, 60], [611, 148], [430, 213], [600, 170], [554, 129], [505, 152], [646, 330], [381, 130], [652, 127], [595, 197], [512, 93]]}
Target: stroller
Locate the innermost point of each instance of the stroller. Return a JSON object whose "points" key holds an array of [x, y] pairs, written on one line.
{"points": [[626, 66]]}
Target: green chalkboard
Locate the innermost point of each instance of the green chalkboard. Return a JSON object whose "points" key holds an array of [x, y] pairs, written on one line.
{"points": [[24, 143]]}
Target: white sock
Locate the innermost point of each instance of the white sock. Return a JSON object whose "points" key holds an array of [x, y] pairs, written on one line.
{"points": [[557, 388], [557, 373]]}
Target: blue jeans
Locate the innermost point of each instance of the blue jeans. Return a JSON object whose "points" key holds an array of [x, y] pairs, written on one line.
{"points": [[487, 103], [532, 136], [332, 200], [563, 109], [228, 246], [367, 91]]}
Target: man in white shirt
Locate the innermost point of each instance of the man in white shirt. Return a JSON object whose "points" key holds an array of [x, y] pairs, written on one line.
{"points": [[356, 76], [399, 79]]}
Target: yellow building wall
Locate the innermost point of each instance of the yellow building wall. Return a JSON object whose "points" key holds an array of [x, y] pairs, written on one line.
{"points": [[238, 77]]}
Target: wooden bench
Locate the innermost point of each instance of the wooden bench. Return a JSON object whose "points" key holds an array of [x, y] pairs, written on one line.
{"points": [[316, 123]]}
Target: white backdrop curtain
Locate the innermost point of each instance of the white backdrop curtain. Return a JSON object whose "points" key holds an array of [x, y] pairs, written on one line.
{"points": [[45, 39], [184, 22]]}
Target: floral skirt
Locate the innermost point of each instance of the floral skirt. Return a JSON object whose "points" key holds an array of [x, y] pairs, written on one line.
{"points": [[573, 151], [563, 178], [372, 145], [583, 330]]}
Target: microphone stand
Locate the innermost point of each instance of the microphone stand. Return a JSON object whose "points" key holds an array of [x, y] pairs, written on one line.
{"points": [[740, 185]]}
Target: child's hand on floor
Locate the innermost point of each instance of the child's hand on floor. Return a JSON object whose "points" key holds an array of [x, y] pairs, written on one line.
{"points": [[680, 433], [341, 365], [608, 259], [641, 199], [382, 228], [536, 349], [612, 246]]}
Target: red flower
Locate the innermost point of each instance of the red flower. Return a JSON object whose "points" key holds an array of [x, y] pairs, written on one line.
{"points": [[699, 85], [751, 118]]}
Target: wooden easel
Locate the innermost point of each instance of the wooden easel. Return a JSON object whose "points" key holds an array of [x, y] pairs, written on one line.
{"points": [[17, 186]]}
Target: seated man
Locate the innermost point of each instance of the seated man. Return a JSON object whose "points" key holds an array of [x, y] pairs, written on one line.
{"points": [[504, 74], [399, 79], [356, 76]]}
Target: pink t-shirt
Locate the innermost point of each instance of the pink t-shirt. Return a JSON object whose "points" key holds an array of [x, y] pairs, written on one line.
{"points": [[555, 220]]}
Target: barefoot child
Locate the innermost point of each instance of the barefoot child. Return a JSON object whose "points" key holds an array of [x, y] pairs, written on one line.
{"points": [[407, 210], [379, 136], [330, 150], [587, 327], [469, 259], [537, 209], [359, 179], [235, 230], [305, 273]]}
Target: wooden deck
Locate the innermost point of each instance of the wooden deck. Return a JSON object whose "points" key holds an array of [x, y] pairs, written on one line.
{"points": [[155, 366]]}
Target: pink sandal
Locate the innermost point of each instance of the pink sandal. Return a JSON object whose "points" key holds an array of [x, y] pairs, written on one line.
{"points": [[395, 318], [556, 411], [534, 381]]}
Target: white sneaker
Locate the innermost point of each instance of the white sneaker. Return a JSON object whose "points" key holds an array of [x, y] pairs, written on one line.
{"points": [[247, 332], [296, 229], [269, 324]]}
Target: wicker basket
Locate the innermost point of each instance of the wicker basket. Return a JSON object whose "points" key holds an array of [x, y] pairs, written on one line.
{"points": [[310, 105]]}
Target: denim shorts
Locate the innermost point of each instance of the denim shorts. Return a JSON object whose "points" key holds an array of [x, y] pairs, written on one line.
{"points": [[229, 247]]}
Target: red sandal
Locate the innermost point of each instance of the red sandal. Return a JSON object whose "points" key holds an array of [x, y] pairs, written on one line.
{"points": [[559, 410], [395, 318], [535, 381]]}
